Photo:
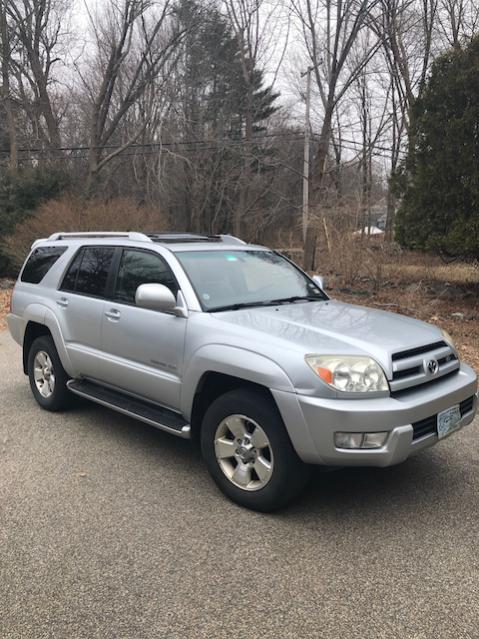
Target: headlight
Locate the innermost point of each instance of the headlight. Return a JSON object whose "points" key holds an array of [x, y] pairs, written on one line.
{"points": [[448, 338], [349, 373]]}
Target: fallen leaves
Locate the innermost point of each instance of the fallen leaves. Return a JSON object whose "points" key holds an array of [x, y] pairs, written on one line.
{"points": [[4, 307]]}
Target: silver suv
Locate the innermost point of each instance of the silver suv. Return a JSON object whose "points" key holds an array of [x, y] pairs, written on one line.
{"points": [[233, 346]]}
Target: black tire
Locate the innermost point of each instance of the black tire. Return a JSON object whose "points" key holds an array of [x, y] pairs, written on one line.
{"points": [[60, 397], [289, 474]]}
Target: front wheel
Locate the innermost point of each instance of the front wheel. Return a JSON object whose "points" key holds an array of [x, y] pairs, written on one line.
{"points": [[248, 451]]}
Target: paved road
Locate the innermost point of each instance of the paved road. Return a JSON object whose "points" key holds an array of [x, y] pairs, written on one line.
{"points": [[112, 529]]}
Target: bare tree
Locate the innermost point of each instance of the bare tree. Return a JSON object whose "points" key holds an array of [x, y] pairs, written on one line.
{"points": [[330, 29], [457, 21], [135, 41], [38, 26]]}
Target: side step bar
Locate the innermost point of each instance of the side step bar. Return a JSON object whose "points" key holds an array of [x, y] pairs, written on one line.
{"points": [[147, 412]]}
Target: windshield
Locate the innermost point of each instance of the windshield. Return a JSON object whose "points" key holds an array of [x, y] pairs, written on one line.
{"points": [[225, 280]]}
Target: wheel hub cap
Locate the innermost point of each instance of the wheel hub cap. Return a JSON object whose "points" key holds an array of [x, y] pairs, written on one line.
{"points": [[243, 452], [246, 451], [43, 374]]}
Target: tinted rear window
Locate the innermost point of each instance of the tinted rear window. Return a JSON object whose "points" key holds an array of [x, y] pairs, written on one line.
{"points": [[40, 262], [88, 273], [70, 278]]}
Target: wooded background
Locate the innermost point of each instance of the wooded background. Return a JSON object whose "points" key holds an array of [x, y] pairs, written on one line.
{"points": [[189, 115]]}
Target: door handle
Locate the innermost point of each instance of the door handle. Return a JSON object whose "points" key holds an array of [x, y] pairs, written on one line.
{"points": [[62, 302], [113, 314]]}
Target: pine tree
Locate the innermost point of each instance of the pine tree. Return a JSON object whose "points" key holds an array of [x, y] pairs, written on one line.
{"points": [[440, 181], [215, 88], [213, 94]]}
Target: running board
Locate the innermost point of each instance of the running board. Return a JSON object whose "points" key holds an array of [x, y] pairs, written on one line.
{"points": [[147, 412]]}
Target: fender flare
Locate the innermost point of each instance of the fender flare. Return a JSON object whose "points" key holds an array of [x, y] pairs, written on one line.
{"points": [[41, 314], [235, 362]]}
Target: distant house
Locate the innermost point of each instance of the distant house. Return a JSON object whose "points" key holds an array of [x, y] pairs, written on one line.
{"points": [[369, 231]]}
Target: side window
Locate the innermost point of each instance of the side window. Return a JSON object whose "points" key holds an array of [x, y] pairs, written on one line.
{"points": [[40, 262], [88, 273], [141, 267], [70, 278]]}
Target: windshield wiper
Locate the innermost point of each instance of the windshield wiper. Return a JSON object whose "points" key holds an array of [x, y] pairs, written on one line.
{"points": [[282, 300], [240, 305], [297, 298]]}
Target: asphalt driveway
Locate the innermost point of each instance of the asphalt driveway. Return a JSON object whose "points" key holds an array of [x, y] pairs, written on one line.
{"points": [[111, 529]]}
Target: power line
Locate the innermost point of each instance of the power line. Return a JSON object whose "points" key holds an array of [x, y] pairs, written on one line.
{"points": [[239, 141], [80, 152]]}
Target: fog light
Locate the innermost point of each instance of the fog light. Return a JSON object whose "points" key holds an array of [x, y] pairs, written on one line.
{"points": [[374, 440], [348, 440], [360, 440]]}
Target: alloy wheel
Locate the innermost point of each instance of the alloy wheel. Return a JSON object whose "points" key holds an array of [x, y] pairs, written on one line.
{"points": [[243, 452], [43, 374]]}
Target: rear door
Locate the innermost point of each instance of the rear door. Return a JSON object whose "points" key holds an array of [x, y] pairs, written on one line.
{"points": [[80, 302], [143, 349]]}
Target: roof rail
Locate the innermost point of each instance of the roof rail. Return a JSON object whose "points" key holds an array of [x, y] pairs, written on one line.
{"points": [[141, 237]]}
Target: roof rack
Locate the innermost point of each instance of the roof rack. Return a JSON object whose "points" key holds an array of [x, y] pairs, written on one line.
{"points": [[162, 238], [180, 238], [142, 237]]}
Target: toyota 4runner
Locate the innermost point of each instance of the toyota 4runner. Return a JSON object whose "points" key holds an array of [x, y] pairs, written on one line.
{"points": [[234, 346]]}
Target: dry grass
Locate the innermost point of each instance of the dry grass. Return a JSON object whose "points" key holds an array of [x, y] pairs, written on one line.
{"points": [[456, 273]]}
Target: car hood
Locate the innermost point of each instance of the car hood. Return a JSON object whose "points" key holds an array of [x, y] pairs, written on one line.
{"points": [[331, 327]]}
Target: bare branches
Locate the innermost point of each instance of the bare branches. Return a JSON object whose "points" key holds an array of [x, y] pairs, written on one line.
{"points": [[6, 63], [330, 31], [135, 44], [37, 24]]}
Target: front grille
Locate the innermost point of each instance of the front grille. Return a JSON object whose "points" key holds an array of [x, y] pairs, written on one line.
{"points": [[417, 351], [429, 425], [410, 366]]}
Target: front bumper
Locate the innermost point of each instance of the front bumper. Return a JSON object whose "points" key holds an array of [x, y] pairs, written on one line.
{"points": [[312, 421]]}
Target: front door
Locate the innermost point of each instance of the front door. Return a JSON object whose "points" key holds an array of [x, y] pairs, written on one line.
{"points": [[143, 349]]}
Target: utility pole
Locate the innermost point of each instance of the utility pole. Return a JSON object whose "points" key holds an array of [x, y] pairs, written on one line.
{"points": [[307, 135]]}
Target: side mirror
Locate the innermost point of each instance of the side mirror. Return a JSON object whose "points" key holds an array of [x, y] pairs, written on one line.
{"points": [[320, 281], [156, 297]]}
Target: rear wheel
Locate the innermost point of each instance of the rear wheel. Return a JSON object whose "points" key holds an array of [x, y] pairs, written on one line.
{"points": [[48, 379], [248, 451]]}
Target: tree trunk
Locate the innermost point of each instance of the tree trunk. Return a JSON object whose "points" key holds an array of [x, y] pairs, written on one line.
{"points": [[310, 241], [7, 100], [390, 215], [45, 103], [246, 177]]}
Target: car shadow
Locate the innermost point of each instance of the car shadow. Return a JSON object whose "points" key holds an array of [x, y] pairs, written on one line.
{"points": [[336, 493]]}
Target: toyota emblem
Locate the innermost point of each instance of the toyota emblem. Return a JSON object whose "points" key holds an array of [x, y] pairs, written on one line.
{"points": [[432, 366]]}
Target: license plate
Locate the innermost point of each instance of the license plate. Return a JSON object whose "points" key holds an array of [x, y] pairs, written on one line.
{"points": [[448, 421]]}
